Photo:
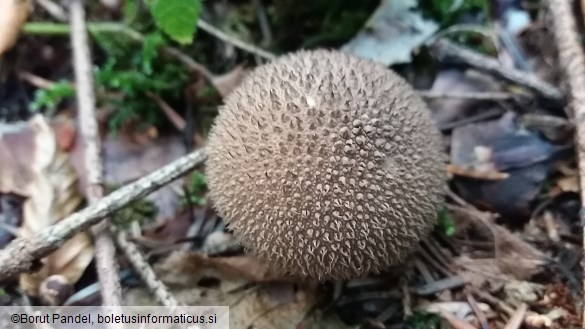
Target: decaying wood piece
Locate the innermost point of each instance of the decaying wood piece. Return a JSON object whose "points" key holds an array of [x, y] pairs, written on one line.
{"points": [[572, 61]]}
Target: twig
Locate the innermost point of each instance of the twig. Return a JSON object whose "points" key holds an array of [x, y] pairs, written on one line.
{"points": [[476, 96], [157, 288], [467, 28], [481, 318], [107, 267], [454, 321], [491, 175], [438, 286], [516, 320], [572, 63], [487, 297], [36, 80], [171, 114], [423, 270], [189, 62], [53, 9], [432, 262], [490, 114], [23, 255], [406, 297], [550, 225], [236, 42], [50, 28], [369, 295], [263, 22], [448, 51]]}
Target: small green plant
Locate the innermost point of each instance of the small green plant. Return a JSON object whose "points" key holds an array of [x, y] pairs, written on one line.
{"points": [[446, 223], [165, 80], [50, 97], [141, 211], [3, 292], [131, 75], [194, 194], [177, 18], [450, 12], [424, 320]]}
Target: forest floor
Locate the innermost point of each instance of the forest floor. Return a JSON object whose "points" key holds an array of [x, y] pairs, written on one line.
{"points": [[507, 247]]}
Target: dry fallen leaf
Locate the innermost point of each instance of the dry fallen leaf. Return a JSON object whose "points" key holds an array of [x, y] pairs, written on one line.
{"points": [[569, 184], [446, 111], [393, 31], [262, 309], [513, 258], [126, 160], [199, 280], [181, 267], [13, 14], [506, 147], [227, 82], [34, 166]]}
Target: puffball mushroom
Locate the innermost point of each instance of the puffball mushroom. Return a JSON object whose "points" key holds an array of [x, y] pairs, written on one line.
{"points": [[326, 166]]}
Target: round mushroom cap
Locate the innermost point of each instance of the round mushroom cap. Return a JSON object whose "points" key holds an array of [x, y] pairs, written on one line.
{"points": [[326, 166]]}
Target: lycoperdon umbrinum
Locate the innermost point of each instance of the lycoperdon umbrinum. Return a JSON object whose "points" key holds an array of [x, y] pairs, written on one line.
{"points": [[326, 166]]}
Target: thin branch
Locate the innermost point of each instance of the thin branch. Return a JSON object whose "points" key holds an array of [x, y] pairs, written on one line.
{"points": [[105, 251], [572, 61], [189, 62], [171, 114], [263, 22], [490, 114], [50, 28], [448, 51], [156, 287], [53, 9], [478, 96], [516, 320], [23, 255], [37, 81], [236, 42]]}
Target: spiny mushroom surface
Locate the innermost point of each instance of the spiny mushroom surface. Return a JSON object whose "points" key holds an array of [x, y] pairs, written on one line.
{"points": [[326, 166]]}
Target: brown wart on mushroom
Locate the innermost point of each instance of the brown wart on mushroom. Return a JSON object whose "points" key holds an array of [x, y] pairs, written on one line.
{"points": [[326, 166]]}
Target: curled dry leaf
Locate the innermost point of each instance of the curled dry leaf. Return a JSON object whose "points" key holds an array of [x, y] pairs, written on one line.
{"points": [[13, 14], [34, 166]]}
